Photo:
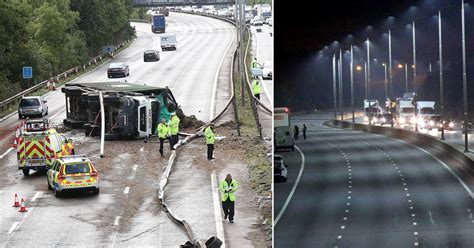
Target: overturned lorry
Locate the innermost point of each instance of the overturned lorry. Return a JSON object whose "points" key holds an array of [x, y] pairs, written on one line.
{"points": [[131, 111]]}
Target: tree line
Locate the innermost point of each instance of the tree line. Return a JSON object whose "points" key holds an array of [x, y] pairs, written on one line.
{"points": [[55, 35]]}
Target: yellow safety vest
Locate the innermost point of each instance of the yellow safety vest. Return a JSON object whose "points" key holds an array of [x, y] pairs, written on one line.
{"points": [[162, 130], [256, 87], [210, 136], [228, 191], [174, 125]]}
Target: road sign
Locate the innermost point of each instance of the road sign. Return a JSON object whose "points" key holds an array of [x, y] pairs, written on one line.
{"points": [[27, 72]]}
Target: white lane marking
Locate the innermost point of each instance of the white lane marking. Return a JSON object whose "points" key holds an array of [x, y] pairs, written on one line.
{"points": [[471, 194], [293, 189], [217, 209], [37, 195], [5, 154], [117, 220], [58, 113], [1, 192], [216, 77], [431, 218], [135, 167], [12, 228], [127, 189]]}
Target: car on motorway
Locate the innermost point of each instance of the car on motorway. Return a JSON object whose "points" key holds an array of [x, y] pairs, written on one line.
{"points": [[280, 172], [151, 55], [72, 173], [32, 106], [168, 42], [256, 21], [267, 69], [118, 69], [447, 125], [269, 21], [383, 119]]}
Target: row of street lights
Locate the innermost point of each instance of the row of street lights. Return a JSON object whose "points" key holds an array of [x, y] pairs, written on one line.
{"points": [[388, 73]]}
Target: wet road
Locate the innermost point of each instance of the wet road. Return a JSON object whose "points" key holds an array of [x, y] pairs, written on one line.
{"points": [[126, 212], [365, 190]]}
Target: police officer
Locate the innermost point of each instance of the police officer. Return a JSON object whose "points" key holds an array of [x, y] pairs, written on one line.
{"points": [[254, 63], [67, 148], [228, 186], [296, 132], [210, 139], [163, 134], [256, 89], [174, 128], [304, 131]]}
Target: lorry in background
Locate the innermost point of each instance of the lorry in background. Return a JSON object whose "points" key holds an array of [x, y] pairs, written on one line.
{"points": [[164, 11], [168, 42], [158, 23], [131, 111], [371, 109], [283, 135], [406, 111], [426, 115]]}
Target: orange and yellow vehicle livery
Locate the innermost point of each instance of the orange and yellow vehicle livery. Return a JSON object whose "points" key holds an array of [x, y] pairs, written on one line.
{"points": [[38, 145], [72, 173]]}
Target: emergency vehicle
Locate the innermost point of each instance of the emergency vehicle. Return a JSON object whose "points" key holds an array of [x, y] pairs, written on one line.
{"points": [[38, 145], [72, 173]]}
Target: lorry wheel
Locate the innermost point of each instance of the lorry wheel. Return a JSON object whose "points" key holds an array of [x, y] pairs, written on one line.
{"points": [[26, 172], [293, 148]]}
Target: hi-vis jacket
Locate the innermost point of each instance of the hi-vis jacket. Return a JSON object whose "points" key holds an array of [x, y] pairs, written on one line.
{"points": [[228, 190]]}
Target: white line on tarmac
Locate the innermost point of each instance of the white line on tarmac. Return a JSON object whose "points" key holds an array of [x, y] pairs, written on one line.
{"points": [[135, 167], [293, 189], [58, 113], [127, 189], [5, 154], [217, 209], [214, 88], [37, 195], [117, 219], [116, 223], [12, 228], [471, 194]]}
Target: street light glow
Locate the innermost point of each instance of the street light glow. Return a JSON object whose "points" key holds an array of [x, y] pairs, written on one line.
{"points": [[359, 68], [400, 66]]}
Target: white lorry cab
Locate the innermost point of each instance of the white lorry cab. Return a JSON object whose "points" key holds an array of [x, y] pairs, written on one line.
{"points": [[168, 42], [425, 111], [406, 112], [283, 136], [371, 109]]}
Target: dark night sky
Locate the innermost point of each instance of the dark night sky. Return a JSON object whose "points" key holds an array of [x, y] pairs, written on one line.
{"points": [[301, 31]]}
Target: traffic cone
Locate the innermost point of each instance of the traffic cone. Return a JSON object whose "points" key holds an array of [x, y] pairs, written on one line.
{"points": [[16, 203], [23, 206], [15, 143]]}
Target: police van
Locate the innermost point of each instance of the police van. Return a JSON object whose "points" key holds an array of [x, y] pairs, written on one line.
{"points": [[283, 136], [38, 145]]}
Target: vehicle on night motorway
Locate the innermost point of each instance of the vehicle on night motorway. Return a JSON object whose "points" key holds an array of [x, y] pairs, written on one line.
{"points": [[32, 106], [158, 23], [151, 55], [283, 134], [118, 69], [446, 124], [280, 172], [38, 145], [371, 109], [383, 119], [72, 173], [267, 71], [168, 42]]}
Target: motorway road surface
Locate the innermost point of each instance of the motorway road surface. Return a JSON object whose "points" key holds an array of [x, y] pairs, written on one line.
{"points": [[126, 212], [366, 190]]}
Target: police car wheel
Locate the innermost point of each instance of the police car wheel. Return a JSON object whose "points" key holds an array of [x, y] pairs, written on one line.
{"points": [[26, 172], [96, 191], [57, 194], [49, 186]]}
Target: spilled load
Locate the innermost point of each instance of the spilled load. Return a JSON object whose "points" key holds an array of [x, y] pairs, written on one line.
{"points": [[131, 110]]}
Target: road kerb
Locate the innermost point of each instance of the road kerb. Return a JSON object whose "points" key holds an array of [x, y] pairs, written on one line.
{"points": [[217, 209]]}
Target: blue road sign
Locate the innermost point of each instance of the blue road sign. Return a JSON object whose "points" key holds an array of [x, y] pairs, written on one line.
{"points": [[27, 72]]}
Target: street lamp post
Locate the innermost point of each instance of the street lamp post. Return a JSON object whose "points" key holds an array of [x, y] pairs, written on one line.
{"points": [[334, 84], [340, 85], [385, 81], [414, 56], [390, 61], [368, 68], [464, 78], [366, 81], [406, 77], [352, 84], [441, 93]]}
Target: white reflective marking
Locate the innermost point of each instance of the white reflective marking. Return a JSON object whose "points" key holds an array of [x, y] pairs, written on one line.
{"points": [[135, 167], [37, 195], [117, 219], [12, 228], [127, 189], [342, 227], [4, 154]]}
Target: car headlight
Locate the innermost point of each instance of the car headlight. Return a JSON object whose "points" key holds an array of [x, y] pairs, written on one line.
{"points": [[432, 123], [366, 118], [384, 120], [413, 121], [402, 120], [451, 124], [40, 109]]}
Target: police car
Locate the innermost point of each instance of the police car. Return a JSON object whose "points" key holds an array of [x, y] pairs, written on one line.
{"points": [[72, 173]]}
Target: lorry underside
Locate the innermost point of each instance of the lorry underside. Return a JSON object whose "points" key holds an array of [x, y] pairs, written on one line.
{"points": [[131, 111]]}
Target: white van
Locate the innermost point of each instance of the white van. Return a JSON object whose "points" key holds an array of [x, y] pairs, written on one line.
{"points": [[168, 42]]}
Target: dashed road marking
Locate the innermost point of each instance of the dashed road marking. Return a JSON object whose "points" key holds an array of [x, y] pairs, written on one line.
{"points": [[126, 190], [5, 153], [13, 227], [135, 167], [117, 220], [37, 195]]}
